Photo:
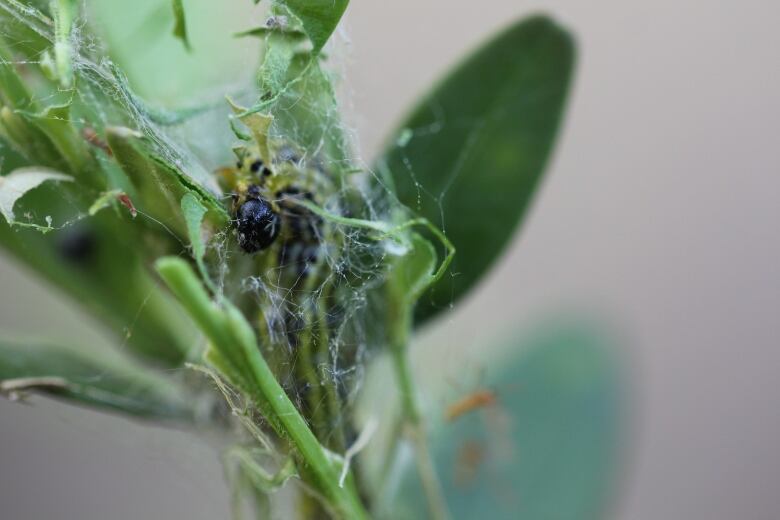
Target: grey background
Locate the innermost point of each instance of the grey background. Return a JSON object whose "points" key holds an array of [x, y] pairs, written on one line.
{"points": [[660, 212]]}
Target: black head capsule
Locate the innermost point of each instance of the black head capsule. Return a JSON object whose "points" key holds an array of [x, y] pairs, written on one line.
{"points": [[257, 224]]}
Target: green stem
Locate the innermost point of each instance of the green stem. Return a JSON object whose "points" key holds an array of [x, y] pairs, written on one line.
{"points": [[63, 22], [235, 344], [414, 429], [390, 458]]}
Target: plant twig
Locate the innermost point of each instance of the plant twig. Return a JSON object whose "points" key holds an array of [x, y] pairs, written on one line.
{"points": [[237, 351], [414, 430]]}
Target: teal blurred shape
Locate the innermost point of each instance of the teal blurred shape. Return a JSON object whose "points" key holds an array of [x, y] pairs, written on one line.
{"points": [[547, 448]]}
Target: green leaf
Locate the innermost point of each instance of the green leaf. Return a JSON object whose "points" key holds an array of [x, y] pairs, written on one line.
{"points": [[55, 122], [13, 91], [543, 446], [69, 375], [306, 110], [137, 38], [259, 124], [279, 52], [319, 17], [14, 185], [99, 263], [194, 212], [180, 24], [296, 90], [160, 185], [159, 192], [28, 140], [45, 137], [472, 153]]}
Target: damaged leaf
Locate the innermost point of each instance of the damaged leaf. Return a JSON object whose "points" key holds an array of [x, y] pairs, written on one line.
{"points": [[14, 185], [260, 126]]}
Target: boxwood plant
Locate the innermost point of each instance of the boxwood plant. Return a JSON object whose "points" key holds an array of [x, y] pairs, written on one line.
{"points": [[253, 269]]}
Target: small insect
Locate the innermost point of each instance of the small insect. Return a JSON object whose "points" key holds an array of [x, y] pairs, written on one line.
{"points": [[256, 221], [478, 399], [264, 205]]}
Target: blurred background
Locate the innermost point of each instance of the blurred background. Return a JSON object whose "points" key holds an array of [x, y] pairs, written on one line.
{"points": [[659, 214]]}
